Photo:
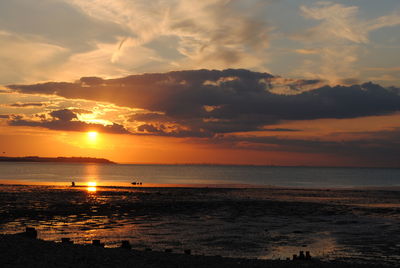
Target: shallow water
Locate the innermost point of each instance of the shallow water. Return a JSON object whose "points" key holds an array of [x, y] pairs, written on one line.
{"points": [[361, 225], [310, 177]]}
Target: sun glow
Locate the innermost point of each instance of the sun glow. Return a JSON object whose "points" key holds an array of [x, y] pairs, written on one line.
{"points": [[92, 186], [92, 135]]}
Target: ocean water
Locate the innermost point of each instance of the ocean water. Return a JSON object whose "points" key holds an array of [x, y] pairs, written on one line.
{"points": [[335, 213], [122, 175]]}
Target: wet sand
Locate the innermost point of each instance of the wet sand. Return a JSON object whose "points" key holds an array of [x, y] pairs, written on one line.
{"points": [[19, 251], [333, 224]]}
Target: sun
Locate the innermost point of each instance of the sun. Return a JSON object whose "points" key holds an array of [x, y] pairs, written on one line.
{"points": [[92, 186], [92, 135]]}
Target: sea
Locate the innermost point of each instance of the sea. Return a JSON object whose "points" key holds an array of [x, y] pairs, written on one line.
{"points": [[198, 175], [349, 214]]}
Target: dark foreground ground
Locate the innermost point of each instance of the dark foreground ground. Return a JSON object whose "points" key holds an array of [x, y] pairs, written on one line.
{"points": [[19, 251]]}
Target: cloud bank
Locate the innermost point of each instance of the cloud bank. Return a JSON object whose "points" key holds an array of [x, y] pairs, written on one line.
{"points": [[66, 120], [204, 103]]}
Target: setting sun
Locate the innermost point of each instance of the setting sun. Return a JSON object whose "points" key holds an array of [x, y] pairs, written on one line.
{"points": [[92, 186], [92, 135]]}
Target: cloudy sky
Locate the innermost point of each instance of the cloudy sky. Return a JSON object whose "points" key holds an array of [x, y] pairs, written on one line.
{"points": [[276, 82]]}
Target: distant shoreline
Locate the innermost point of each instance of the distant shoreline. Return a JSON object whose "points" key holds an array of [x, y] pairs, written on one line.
{"points": [[60, 159], [56, 159]]}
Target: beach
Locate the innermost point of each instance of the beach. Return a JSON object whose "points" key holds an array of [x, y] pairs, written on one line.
{"points": [[347, 225], [19, 251]]}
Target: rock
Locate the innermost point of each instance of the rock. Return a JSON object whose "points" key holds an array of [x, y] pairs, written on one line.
{"points": [[125, 244], [30, 232]]}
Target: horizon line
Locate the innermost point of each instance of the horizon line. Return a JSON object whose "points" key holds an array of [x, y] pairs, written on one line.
{"points": [[203, 164]]}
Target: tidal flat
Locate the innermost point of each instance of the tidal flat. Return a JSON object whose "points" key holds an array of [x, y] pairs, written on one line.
{"points": [[348, 225]]}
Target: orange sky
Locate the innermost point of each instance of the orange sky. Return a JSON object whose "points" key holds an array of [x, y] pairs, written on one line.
{"points": [[186, 81], [122, 148]]}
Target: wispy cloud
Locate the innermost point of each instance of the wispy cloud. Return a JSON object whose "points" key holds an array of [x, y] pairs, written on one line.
{"points": [[211, 33], [339, 21], [337, 40], [21, 58], [67, 39]]}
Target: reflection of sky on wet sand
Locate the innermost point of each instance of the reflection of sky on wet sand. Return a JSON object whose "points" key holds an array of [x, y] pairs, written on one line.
{"points": [[321, 244], [263, 223]]}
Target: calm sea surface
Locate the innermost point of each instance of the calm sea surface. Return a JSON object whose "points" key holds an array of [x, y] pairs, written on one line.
{"points": [[335, 213], [199, 174]]}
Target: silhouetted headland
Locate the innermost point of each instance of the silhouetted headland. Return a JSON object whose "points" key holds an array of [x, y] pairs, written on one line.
{"points": [[56, 159]]}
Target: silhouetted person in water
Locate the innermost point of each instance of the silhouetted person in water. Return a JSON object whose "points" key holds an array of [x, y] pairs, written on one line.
{"points": [[73, 184]]}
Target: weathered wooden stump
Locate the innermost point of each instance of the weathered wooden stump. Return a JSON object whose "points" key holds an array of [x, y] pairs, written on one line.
{"points": [[308, 256], [97, 243], [66, 240], [301, 255], [30, 232], [126, 245]]}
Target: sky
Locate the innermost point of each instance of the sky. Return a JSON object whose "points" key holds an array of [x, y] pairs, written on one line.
{"points": [[263, 82]]}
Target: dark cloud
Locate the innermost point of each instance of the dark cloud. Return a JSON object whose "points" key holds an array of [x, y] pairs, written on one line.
{"points": [[281, 129], [150, 128], [66, 120], [91, 81], [202, 103], [4, 116], [63, 115], [27, 104], [150, 117], [171, 131]]}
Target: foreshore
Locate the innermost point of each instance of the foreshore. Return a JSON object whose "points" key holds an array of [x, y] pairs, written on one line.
{"points": [[20, 251]]}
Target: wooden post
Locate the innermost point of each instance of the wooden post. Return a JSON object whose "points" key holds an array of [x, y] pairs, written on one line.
{"points": [[301, 255], [308, 256], [125, 244], [66, 240], [30, 232], [97, 243]]}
